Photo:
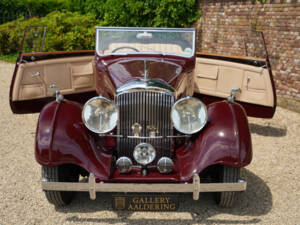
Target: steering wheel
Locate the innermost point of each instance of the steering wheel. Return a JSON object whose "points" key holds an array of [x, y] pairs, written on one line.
{"points": [[132, 48]]}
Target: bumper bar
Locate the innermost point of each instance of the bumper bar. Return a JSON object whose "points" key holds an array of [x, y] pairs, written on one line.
{"points": [[92, 187]]}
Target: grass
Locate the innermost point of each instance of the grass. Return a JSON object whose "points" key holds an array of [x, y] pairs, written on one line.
{"points": [[9, 58]]}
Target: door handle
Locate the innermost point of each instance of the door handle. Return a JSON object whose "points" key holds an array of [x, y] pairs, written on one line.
{"points": [[36, 74]]}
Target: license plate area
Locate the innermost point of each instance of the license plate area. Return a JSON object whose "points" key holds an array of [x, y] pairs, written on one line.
{"points": [[145, 202]]}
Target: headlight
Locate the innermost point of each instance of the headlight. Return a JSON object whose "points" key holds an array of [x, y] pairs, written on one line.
{"points": [[189, 115], [100, 115]]}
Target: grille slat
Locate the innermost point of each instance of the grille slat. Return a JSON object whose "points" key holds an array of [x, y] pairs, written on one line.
{"points": [[148, 108]]}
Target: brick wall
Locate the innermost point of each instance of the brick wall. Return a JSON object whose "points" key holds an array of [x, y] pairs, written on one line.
{"points": [[221, 29]]}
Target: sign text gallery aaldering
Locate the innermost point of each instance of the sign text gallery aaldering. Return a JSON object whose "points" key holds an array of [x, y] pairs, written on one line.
{"points": [[146, 203]]}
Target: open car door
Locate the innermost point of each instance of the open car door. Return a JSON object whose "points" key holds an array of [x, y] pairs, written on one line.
{"points": [[217, 75], [38, 74]]}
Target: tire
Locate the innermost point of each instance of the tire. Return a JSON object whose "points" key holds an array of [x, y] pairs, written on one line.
{"points": [[227, 174], [60, 174]]}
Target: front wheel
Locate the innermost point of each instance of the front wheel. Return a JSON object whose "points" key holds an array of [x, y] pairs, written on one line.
{"points": [[227, 174], [60, 174]]}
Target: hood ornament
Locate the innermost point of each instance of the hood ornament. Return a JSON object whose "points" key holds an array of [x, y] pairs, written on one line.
{"points": [[136, 129], [153, 131]]}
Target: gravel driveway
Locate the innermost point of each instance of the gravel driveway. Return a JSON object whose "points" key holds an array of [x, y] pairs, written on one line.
{"points": [[272, 196]]}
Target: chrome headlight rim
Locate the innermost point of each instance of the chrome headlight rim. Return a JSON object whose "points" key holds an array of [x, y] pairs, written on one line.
{"points": [[150, 149], [165, 165], [86, 124], [185, 99], [127, 164]]}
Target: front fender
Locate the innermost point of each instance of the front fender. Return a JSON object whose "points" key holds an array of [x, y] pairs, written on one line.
{"points": [[225, 140], [62, 138]]}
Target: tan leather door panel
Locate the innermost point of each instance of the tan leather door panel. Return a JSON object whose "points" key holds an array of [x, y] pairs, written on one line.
{"points": [[216, 78], [82, 75], [71, 74]]}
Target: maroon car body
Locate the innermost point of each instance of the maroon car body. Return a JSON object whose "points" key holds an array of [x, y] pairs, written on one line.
{"points": [[63, 139]]}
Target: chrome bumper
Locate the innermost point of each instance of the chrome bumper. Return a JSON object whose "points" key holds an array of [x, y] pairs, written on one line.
{"points": [[92, 187]]}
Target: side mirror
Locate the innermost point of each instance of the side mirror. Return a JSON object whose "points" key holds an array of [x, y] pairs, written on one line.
{"points": [[232, 96], [58, 96]]}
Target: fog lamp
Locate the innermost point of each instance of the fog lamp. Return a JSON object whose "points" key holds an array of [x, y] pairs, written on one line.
{"points": [[165, 165], [124, 164], [144, 153]]}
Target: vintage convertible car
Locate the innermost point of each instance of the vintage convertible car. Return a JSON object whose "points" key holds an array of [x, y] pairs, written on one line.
{"points": [[143, 113]]}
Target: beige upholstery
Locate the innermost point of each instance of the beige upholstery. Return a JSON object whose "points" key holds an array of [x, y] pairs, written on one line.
{"points": [[217, 78], [77, 74], [157, 47], [71, 75]]}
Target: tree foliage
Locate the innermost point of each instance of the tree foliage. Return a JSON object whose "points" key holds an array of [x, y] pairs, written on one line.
{"points": [[143, 13], [12, 9], [70, 23], [65, 31]]}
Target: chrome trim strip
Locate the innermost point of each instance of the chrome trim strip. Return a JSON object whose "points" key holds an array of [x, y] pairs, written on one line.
{"points": [[144, 137], [149, 137], [145, 70], [146, 29], [92, 187], [178, 136], [110, 135]]}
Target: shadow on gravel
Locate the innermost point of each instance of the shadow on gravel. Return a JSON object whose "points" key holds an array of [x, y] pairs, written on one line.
{"points": [[268, 131], [256, 201]]}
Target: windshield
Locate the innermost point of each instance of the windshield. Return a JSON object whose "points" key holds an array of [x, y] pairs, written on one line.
{"points": [[120, 41]]}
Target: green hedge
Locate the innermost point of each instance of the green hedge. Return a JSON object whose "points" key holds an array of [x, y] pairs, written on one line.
{"points": [[144, 13], [65, 31], [12, 9], [75, 30]]}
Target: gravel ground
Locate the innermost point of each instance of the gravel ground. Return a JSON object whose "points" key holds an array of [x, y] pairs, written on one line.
{"points": [[272, 196]]}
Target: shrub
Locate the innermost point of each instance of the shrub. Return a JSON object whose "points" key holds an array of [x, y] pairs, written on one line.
{"points": [[72, 30], [144, 13], [65, 31], [175, 13], [11, 10]]}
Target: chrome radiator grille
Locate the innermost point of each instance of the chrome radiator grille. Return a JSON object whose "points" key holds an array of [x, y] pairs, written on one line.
{"points": [[147, 108]]}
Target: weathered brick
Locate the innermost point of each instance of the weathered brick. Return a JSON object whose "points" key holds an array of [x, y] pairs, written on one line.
{"points": [[223, 23]]}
